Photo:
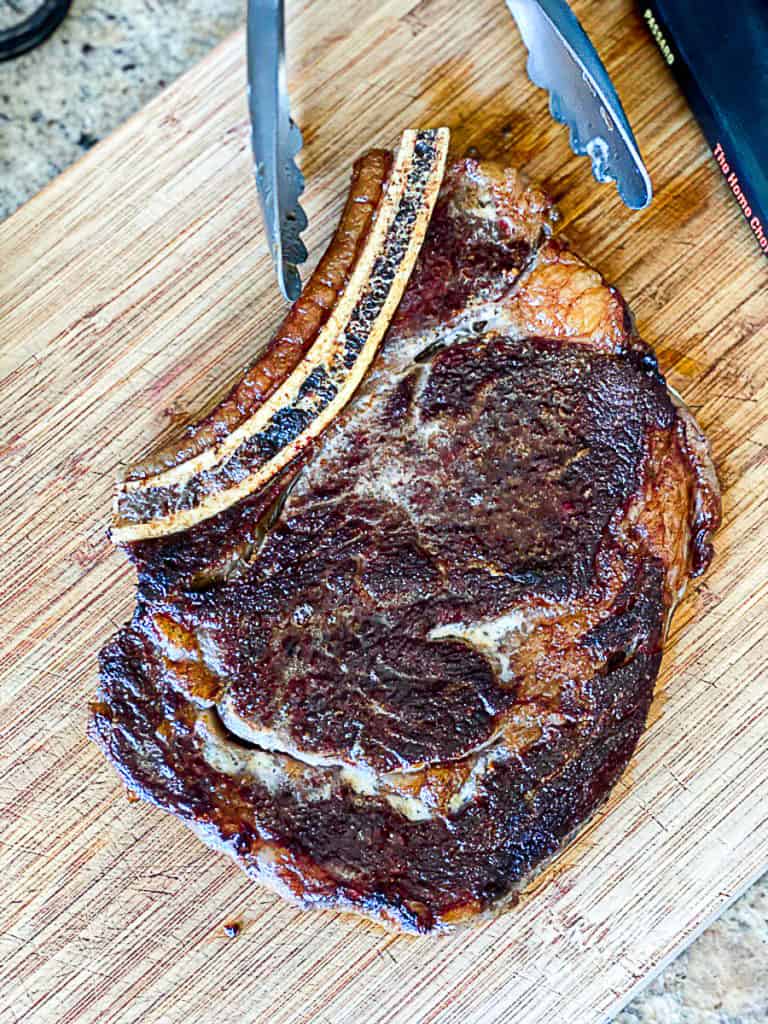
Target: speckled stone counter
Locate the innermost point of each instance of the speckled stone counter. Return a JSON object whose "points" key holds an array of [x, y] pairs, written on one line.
{"points": [[105, 62]]}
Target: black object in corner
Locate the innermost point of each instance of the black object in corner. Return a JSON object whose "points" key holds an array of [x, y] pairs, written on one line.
{"points": [[718, 53], [34, 30]]}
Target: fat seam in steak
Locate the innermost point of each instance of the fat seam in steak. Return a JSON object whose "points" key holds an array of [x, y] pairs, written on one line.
{"points": [[396, 679]]}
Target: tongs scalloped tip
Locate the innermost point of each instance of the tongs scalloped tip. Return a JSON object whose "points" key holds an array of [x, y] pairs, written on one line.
{"points": [[563, 61]]}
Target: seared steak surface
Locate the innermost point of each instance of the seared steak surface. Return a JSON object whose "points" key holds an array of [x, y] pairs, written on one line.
{"points": [[396, 679]]}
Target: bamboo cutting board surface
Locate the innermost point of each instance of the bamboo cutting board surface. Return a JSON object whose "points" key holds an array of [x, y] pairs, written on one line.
{"points": [[132, 291]]}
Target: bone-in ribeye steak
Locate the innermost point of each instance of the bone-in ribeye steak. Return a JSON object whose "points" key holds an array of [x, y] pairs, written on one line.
{"points": [[396, 678]]}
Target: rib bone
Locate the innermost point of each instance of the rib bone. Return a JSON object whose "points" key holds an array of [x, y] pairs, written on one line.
{"points": [[322, 383]]}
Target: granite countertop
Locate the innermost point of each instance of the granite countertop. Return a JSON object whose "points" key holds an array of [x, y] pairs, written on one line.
{"points": [[105, 62]]}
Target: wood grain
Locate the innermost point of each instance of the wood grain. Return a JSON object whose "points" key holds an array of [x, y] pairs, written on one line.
{"points": [[132, 291]]}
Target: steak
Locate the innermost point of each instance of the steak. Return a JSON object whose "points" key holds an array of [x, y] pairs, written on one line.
{"points": [[399, 676]]}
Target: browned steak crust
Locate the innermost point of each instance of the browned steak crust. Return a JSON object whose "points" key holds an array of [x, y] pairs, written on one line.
{"points": [[399, 677]]}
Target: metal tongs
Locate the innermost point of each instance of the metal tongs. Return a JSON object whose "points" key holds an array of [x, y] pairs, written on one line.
{"points": [[276, 140], [561, 59]]}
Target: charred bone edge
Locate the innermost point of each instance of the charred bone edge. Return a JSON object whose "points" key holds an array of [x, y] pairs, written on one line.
{"points": [[330, 371], [328, 336]]}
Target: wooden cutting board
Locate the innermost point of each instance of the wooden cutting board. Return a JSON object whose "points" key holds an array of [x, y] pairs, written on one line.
{"points": [[132, 291]]}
